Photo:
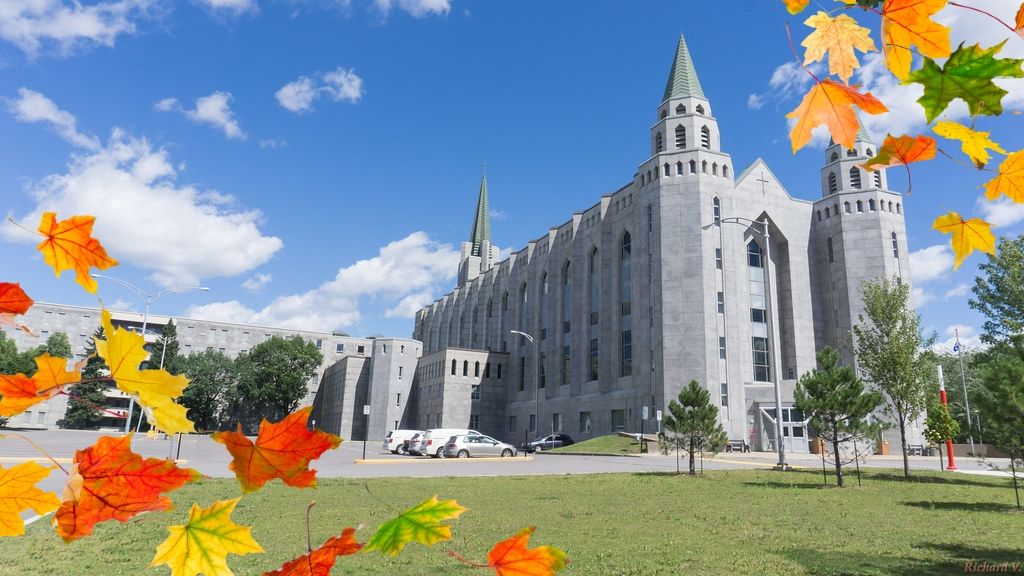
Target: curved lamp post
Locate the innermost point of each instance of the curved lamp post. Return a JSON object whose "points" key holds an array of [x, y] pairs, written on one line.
{"points": [[761, 227], [537, 394], [148, 298]]}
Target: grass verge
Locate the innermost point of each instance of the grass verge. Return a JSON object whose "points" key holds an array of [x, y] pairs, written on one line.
{"points": [[726, 522], [610, 444]]}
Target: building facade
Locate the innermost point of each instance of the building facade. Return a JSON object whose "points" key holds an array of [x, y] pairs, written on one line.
{"points": [[691, 271]]}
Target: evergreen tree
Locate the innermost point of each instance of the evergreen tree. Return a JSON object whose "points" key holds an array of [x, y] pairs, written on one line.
{"points": [[834, 399], [691, 424], [168, 348], [87, 395], [888, 344], [1002, 404]]}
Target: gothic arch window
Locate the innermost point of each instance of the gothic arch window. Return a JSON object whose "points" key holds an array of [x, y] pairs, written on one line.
{"points": [[648, 176], [679, 168], [846, 207], [465, 367], [667, 171], [626, 305], [522, 318], [851, 152], [895, 246], [657, 170], [831, 254], [663, 113], [659, 142], [871, 204], [869, 153], [705, 137], [595, 287], [890, 206], [898, 209], [833, 183], [704, 166], [680, 137], [835, 209], [725, 171], [835, 156], [819, 215], [754, 255], [855, 178], [454, 364], [680, 109], [827, 212], [543, 305], [714, 169], [476, 368], [860, 206], [693, 166], [716, 209], [566, 297], [700, 109]]}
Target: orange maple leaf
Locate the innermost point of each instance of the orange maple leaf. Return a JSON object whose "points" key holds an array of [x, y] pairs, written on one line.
{"points": [[906, 23], [796, 6], [18, 492], [902, 150], [511, 557], [13, 301], [831, 103], [110, 482], [320, 561], [19, 392], [1010, 180], [968, 235], [69, 245], [282, 450], [1019, 26]]}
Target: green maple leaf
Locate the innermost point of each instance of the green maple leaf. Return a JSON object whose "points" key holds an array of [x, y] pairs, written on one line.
{"points": [[966, 75], [420, 523]]}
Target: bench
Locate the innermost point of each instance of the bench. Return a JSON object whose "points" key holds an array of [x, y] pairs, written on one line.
{"points": [[737, 446], [915, 449]]}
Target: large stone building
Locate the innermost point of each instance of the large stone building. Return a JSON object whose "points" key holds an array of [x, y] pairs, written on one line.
{"points": [[666, 280]]}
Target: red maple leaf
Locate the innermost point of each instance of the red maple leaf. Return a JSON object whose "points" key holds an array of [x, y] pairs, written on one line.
{"points": [[320, 561], [110, 482], [282, 450], [13, 301]]}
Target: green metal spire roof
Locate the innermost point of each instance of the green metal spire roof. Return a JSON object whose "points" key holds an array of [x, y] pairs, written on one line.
{"points": [[862, 131], [481, 222], [682, 80]]}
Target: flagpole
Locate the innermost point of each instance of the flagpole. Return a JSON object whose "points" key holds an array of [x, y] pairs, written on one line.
{"points": [[963, 382]]}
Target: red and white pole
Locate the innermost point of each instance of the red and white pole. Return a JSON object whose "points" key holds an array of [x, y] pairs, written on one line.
{"points": [[945, 402]]}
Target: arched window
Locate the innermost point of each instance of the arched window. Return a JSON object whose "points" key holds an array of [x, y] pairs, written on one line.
{"points": [[846, 207], [476, 368], [716, 209], [855, 178], [656, 169], [714, 169], [663, 113], [543, 305], [828, 245], [704, 166], [890, 206], [659, 142], [680, 137], [679, 168], [595, 287], [705, 137], [693, 166], [871, 204], [835, 156], [898, 209], [522, 318], [851, 152], [754, 257], [860, 206], [626, 305], [835, 209], [454, 364], [827, 212], [819, 215], [667, 171], [869, 153], [680, 109], [878, 178], [895, 246], [725, 171], [833, 183], [700, 109], [465, 367]]}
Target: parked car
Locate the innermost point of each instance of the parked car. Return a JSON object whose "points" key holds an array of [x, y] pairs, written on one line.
{"points": [[467, 445], [548, 442], [395, 440], [414, 444], [435, 439]]}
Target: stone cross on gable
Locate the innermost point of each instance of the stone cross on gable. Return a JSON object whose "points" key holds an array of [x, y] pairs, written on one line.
{"points": [[763, 182]]}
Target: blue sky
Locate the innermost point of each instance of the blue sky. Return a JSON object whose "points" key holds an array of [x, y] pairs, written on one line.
{"points": [[316, 162]]}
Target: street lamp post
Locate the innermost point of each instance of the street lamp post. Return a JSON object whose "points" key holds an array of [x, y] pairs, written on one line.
{"points": [[772, 344], [963, 382], [537, 394], [148, 298]]}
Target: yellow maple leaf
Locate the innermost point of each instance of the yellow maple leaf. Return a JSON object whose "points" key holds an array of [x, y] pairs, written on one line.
{"points": [[796, 6], [973, 143], [155, 390], [69, 245], [831, 103], [19, 392], [202, 545], [907, 23], [1010, 180], [18, 492], [968, 235], [841, 37]]}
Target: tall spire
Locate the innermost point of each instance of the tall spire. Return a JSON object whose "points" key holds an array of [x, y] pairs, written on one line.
{"points": [[682, 80], [862, 131], [481, 222]]}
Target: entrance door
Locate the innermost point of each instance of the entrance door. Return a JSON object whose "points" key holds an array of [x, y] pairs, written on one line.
{"points": [[794, 429]]}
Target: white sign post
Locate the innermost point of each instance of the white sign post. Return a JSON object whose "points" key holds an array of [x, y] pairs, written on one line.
{"points": [[366, 428]]}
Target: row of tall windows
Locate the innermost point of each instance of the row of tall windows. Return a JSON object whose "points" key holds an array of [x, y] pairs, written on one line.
{"points": [[680, 140], [758, 313]]}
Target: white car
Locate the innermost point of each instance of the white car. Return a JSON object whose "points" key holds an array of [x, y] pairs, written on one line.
{"points": [[396, 440], [469, 445], [434, 440]]}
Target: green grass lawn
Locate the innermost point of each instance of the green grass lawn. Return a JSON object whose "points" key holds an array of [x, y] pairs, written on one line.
{"points": [[610, 444], [727, 522]]}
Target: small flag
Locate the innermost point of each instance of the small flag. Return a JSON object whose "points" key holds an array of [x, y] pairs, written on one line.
{"points": [[956, 347]]}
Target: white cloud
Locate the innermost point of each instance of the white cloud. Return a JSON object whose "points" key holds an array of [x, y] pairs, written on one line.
{"points": [[140, 211], [403, 273], [32, 106], [123, 306], [919, 297], [215, 110], [931, 263], [969, 339], [340, 84], [166, 105], [272, 144], [1000, 213], [755, 101], [418, 8], [33, 25], [957, 291], [408, 306], [232, 6], [257, 282], [497, 215]]}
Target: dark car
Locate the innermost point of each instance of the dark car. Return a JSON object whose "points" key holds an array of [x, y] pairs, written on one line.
{"points": [[548, 442]]}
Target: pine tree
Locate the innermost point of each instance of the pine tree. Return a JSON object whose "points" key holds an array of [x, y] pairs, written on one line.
{"points": [[87, 395], [1002, 404], [834, 400], [692, 424]]}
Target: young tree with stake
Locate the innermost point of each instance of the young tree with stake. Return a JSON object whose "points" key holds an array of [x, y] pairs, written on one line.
{"points": [[691, 424]]}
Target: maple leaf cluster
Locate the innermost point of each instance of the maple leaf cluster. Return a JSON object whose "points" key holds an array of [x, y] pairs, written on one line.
{"points": [[908, 30]]}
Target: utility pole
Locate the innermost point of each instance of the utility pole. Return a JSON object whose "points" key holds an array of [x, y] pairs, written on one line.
{"points": [[963, 381]]}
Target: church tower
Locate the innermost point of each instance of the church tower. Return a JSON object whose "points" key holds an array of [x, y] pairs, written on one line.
{"points": [[477, 255], [859, 234]]}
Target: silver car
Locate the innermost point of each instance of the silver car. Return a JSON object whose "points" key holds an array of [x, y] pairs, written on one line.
{"points": [[414, 444], [468, 445]]}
